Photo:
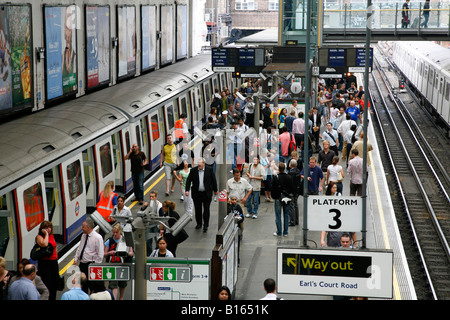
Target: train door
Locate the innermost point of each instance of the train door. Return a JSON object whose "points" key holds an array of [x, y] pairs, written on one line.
{"points": [[73, 197], [436, 89], [207, 95], [31, 210], [90, 181], [118, 162], [215, 85], [55, 202], [125, 146], [157, 138], [198, 107], [430, 85], [8, 234], [446, 102], [145, 141]]}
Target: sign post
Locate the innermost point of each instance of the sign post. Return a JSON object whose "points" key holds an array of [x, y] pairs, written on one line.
{"points": [[337, 272]]}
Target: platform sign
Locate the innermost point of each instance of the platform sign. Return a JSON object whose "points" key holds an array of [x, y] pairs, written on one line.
{"points": [[340, 214], [108, 272], [336, 57], [333, 62], [338, 272], [177, 279], [224, 59]]}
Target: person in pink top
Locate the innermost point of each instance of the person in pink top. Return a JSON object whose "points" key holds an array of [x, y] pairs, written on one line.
{"points": [[285, 140]]}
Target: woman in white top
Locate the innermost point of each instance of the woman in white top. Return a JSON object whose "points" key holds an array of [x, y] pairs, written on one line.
{"points": [[182, 177], [121, 210], [332, 173], [162, 251]]}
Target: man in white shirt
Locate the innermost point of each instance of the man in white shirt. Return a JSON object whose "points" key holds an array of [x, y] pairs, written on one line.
{"points": [[298, 129], [91, 250], [270, 287], [331, 136], [238, 187]]}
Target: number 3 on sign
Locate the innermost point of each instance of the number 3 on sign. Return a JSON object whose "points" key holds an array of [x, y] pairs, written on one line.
{"points": [[336, 215]]}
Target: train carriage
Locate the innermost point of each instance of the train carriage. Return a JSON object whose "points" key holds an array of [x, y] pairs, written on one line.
{"points": [[426, 66]]}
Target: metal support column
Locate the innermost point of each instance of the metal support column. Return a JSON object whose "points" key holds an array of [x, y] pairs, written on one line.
{"points": [[306, 136]]}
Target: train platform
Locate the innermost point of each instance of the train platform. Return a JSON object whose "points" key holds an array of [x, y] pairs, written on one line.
{"points": [[258, 250]]}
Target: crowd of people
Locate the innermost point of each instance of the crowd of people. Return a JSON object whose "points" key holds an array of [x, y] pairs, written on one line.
{"points": [[273, 166]]}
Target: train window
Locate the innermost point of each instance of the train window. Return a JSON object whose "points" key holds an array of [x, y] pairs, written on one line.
{"points": [[447, 92], [34, 206], [74, 180], [105, 159], [183, 106], [170, 117], [127, 141], [138, 137], [155, 127], [441, 85]]}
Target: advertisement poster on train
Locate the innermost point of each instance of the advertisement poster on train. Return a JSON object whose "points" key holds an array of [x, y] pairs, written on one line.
{"points": [[167, 34], [127, 41], [182, 19], [15, 58], [97, 45], [60, 43], [148, 17]]}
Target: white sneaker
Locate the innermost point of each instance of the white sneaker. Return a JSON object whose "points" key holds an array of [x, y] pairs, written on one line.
{"points": [[247, 215], [182, 198], [255, 216]]}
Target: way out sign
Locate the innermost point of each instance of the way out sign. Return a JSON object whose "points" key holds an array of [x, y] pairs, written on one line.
{"points": [[339, 214], [337, 272]]}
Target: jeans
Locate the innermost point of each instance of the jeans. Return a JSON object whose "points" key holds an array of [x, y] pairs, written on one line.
{"points": [[254, 197], [278, 206], [138, 185]]}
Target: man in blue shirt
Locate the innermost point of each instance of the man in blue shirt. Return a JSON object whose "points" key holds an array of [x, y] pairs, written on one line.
{"points": [[24, 288], [76, 293], [354, 112], [315, 177]]}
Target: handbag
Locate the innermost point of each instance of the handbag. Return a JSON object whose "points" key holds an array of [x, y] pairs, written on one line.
{"points": [[39, 252], [339, 176]]}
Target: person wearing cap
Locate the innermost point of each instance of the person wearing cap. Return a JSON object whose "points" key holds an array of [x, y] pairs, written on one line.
{"points": [[225, 121]]}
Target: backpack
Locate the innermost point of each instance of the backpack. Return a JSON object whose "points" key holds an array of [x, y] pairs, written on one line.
{"points": [[292, 144]]}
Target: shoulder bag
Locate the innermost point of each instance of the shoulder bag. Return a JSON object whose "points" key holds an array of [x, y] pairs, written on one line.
{"points": [[39, 252]]}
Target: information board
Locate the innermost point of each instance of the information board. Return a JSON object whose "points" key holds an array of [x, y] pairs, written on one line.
{"points": [[337, 61], [338, 272], [224, 59], [178, 279]]}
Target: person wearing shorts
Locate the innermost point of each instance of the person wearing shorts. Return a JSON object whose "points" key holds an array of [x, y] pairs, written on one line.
{"points": [[169, 158]]}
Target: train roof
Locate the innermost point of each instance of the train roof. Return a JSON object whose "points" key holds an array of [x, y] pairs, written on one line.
{"points": [[35, 141], [437, 54], [138, 95]]}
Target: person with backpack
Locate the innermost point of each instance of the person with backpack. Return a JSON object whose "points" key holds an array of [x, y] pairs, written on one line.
{"points": [[349, 138], [111, 256], [288, 144]]}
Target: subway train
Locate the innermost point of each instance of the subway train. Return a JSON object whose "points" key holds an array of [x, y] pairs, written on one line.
{"points": [[56, 161], [426, 68]]}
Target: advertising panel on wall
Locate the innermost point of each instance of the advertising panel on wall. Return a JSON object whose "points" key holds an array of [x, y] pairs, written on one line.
{"points": [[182, 25], [166, 34], [126, 25], [60, 48], [148, 34], [15, 58], [97, 45]]}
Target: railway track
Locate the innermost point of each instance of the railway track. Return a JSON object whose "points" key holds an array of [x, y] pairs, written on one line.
{"points": [[419, 187]]}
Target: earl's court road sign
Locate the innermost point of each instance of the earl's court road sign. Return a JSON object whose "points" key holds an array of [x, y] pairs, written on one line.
{"points": [[337, 272]]}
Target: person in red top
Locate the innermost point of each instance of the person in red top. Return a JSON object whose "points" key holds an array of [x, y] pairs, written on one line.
{"points": [[48, 268]]}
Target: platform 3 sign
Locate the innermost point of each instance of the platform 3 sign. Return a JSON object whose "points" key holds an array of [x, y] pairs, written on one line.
{"points": [[340, 214], [338, 272]]}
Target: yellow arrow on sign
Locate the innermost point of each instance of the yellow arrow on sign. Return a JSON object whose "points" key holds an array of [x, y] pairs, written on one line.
{"points": [[292, 261]]}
